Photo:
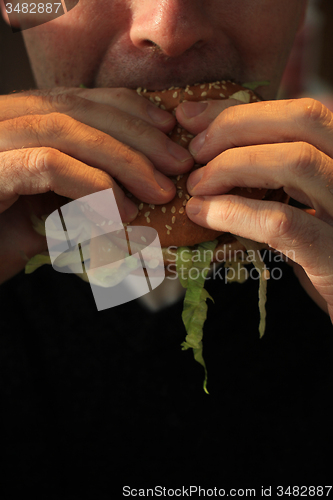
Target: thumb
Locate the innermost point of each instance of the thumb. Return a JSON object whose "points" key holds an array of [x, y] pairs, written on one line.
{"points": [[197, 116]]}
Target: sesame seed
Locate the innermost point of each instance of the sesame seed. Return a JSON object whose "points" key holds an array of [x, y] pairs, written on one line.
{"points": [[184, 203], [148, 220], [141, 206], [162, 106], [216, 87], [175, 95], [152, 206], [147, 214], [103, 223], [139, 90], [180, 194], [203, 94], [153, 263], [168, 227], [171, 88], [143, 239], [187, 196], [190, 92], [190, 136], [202, 86], [151, 99], [163, 209], [173, 210], [168, 232], [181, 210], [222, 95], [173, 220], [157, 98]]}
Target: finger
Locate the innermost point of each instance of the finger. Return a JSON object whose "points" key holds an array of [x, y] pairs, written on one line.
{"points": [[91, 147], [197, 116], [123, 99], [296, 234], [304, 120], [307, 175], [166, 155], [39, 170]]}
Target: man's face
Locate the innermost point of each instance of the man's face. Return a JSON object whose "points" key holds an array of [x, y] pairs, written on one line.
{"points": [[159, 43]]}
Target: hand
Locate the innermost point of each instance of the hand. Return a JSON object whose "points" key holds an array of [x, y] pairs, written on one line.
{"points": [[73, 142], [274, 144]]}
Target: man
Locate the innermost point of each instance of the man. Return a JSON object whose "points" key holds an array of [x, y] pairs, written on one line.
{"points": [[63, 141]]}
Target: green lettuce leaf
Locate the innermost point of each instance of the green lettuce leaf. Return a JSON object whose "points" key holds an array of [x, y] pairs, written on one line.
{"points": [[263, 272], [192, 276]]}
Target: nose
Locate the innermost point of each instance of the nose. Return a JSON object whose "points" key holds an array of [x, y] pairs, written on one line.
{"points": [[171, 26]]}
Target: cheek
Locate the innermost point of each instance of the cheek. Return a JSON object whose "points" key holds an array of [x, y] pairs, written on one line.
{"points": [[64, 51], [68, 50], [263, 36]]}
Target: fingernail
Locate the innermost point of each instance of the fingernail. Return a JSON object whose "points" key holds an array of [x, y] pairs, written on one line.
{"points": [[192, 109], [181, 154], [194, 205], [197, 143], [158, 115], [194, 178], [164, 182], [131, 210]]}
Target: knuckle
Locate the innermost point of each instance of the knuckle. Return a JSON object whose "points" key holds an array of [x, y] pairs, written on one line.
{"points": [[138, 128], [306, 156], [285, 225], [279, 224], [129, 155], [312, 111], [42, 160], [55, 125], [228, 211], [65, 101]]}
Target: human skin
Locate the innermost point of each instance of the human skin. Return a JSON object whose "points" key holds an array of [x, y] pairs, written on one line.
{"points": [[159, 43]]}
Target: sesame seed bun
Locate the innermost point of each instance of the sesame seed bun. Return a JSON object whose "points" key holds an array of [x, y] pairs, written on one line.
{"points": [[170, 220]]}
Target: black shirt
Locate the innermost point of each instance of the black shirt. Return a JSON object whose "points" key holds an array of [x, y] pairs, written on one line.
{"points": [[93, 401]]}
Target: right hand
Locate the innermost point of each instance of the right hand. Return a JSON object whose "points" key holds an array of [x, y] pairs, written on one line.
{"points": [[71, 142]]}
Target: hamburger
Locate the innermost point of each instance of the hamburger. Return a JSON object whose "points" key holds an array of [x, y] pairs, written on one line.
{"points": [[174, 228]]}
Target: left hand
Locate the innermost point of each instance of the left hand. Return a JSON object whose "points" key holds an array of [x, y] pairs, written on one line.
{"points": [[269, 144]]}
